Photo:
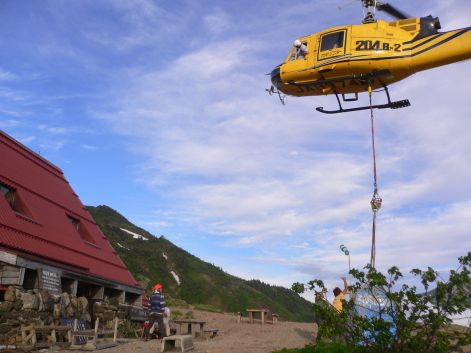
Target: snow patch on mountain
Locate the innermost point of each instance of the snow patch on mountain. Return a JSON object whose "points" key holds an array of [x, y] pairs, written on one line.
{"points": [[122, 246], [134, 235], [175, 276]]}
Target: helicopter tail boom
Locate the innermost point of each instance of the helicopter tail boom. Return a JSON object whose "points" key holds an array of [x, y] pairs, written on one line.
{"points": [[451, 47]]}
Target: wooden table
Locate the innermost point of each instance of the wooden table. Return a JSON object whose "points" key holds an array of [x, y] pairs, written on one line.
{"points": [[263, 313], [190, 323]]}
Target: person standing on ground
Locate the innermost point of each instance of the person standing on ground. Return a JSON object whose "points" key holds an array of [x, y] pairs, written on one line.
{"points": [[157, 309], [340, 295]]}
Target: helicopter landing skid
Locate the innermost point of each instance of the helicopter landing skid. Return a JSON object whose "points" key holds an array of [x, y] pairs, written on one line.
{"points": [[392, 105]]}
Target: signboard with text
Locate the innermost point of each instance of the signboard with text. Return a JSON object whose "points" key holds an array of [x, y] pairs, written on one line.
{"points": [[51, 281]]}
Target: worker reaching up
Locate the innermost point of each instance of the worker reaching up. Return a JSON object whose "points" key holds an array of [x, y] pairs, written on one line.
{"points": [[157, 309], [340, 295]]}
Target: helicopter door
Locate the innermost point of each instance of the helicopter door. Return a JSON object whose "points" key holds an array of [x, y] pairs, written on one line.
{"points": [[332, 44]]}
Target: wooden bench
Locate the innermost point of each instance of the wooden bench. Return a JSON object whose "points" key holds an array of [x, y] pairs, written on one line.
{"points": [[95, 338], [212, 332], [185, 342], [48, 337]]}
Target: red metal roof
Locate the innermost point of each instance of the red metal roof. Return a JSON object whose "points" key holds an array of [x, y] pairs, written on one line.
{"points": [[44, 229]]}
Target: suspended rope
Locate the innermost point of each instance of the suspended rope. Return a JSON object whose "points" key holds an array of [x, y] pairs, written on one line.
{"points": [[376, 199]]}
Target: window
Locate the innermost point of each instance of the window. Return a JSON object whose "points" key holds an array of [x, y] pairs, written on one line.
{"points": [[80, 228], [332, 40], [14, 199]]}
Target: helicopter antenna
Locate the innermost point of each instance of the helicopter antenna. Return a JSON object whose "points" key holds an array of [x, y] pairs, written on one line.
{"points": [[370, 8]]}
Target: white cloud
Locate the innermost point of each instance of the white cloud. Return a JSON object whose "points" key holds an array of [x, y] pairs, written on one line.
{"points": [[7, 76], [27, 139], [218, 21], [158, 224], [89, 147], [53, 145], [55, 130], [7, 123]]}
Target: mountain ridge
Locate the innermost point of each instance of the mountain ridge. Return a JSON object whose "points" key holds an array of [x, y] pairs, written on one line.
{"points": [[152, 259]]}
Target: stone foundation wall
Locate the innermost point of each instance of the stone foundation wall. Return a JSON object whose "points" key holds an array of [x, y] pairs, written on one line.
{"points": [[39, 307]]}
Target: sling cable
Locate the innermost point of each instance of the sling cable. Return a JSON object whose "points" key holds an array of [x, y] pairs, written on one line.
{"points": [[376, 199]]}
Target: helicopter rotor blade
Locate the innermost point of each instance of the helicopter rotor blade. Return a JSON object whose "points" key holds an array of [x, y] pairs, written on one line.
{"points": [[347, 3], [391, 10]]}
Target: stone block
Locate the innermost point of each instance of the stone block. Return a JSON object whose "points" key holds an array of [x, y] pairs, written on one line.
{"points": [[185, 342], [69, 311], [65, 299], [10, 294], [121, 315], [49, 304], [82, 305], [57, 311], [109, 315], [8, 315], [30, 301], [114, 301], [98, 308], [18, 305], [6, 306], [4, 328], [13, 322]]}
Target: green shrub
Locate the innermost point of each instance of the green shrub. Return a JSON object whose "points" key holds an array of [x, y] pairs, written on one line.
{"points": [[175, 302], [176, 314], [323, 347], [408, 321], [189, 315], [207, 307], [127, 329]]}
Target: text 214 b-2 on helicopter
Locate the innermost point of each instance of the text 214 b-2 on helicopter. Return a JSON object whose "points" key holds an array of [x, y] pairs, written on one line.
{"points": [[347, 60]]}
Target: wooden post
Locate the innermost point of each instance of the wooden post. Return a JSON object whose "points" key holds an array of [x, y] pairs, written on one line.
{"points": [[33, 334], [23, 334], [53, 335], [115, 336], [69, 334], [75, 330], [97, 321]]}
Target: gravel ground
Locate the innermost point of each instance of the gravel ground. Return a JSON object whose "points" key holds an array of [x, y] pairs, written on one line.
{"points": [[232, 337]]}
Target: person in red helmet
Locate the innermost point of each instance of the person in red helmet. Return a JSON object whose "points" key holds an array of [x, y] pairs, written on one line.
{"points": [[157, 308]]}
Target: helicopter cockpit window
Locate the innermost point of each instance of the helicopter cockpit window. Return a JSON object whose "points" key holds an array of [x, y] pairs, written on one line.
{"points": [[298, 52], [332, 41]]}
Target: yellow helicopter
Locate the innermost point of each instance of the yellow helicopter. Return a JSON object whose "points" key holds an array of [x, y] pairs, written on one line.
{"points": [[348, 60]]}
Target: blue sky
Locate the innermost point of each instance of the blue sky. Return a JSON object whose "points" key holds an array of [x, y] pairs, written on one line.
{"points": [[158, 109]]}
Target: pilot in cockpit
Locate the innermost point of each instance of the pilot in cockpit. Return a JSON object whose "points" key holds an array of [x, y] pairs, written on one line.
{"points": [[301, 49]]}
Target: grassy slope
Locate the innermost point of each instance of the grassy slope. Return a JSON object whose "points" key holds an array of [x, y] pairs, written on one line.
{"points": [[200, 282]]}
